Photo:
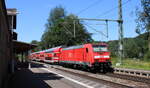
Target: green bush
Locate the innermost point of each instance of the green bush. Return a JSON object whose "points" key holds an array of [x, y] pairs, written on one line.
{"points": [[147, 56]]}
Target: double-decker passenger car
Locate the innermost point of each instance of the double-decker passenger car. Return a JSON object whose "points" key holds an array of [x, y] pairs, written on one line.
{"points": [[52, 55], [41, 55]]}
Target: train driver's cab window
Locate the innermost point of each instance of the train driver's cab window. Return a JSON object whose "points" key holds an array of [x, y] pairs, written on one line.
{"points": [[100, 48]]}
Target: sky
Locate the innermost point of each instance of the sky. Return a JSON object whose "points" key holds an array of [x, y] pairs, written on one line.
{"points": [[33, 15]]}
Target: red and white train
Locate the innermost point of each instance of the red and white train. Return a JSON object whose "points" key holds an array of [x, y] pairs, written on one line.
{"points": [[94, 57]]}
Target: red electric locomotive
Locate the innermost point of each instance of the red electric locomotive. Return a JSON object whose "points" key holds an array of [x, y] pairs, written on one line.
{"points": [[90, 56]]}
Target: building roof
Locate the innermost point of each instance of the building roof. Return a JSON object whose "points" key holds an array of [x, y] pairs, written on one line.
{"points": [[12, 11], [20, 46]]}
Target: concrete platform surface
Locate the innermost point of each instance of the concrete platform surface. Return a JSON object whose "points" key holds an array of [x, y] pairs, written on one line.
{"points": [[36, 77]]}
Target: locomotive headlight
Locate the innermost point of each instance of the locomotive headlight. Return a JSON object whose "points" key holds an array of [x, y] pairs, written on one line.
{"points": [[101, 57], [97, 57], [106, 56]]}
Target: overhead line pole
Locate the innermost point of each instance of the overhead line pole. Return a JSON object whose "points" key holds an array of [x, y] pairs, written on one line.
{"points": [[107, 28], [74, 28], [120, 25]]}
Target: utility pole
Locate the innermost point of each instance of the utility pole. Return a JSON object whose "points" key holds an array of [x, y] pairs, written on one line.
{"points": [[74, 23], [107, 28], [120, 25]]}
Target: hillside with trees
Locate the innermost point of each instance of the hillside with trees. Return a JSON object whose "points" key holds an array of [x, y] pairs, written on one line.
{"points": [[133, 47]]}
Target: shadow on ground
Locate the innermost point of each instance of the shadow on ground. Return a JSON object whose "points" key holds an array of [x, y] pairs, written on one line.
{"points": [[25, 78]]}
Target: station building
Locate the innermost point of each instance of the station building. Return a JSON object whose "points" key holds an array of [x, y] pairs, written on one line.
{"points": [[5, 45], [9, 46]]}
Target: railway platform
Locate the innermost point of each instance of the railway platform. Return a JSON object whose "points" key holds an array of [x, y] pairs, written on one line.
{"points": [[25, 78], [36, 77]]}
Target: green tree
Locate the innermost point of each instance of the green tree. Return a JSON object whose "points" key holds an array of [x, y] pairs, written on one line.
{"points": [[60, 30], [113, 47], [143, 21], [34, 42], [131, 48], [38, 48]]}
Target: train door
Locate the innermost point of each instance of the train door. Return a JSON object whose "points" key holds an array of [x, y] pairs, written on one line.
{"points": [[86, 55]]}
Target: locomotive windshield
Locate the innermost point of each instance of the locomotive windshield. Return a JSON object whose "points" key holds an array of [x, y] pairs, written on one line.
{"points": [[99, 48]]}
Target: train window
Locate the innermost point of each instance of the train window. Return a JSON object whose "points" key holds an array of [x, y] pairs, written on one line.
{"points": [[87, 50], [99, 48]]}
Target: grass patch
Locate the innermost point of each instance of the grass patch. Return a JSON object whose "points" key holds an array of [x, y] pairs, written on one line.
{"points": [[132, 64]]}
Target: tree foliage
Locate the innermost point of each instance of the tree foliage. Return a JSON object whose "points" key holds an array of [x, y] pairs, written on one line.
{"points": [[38, 45], [113, 47], [143, 20], [60, 30], [34, 42]]}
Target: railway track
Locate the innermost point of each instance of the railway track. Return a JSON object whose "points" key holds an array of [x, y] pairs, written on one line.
{"points": [[114, 80], [129, 77]]}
